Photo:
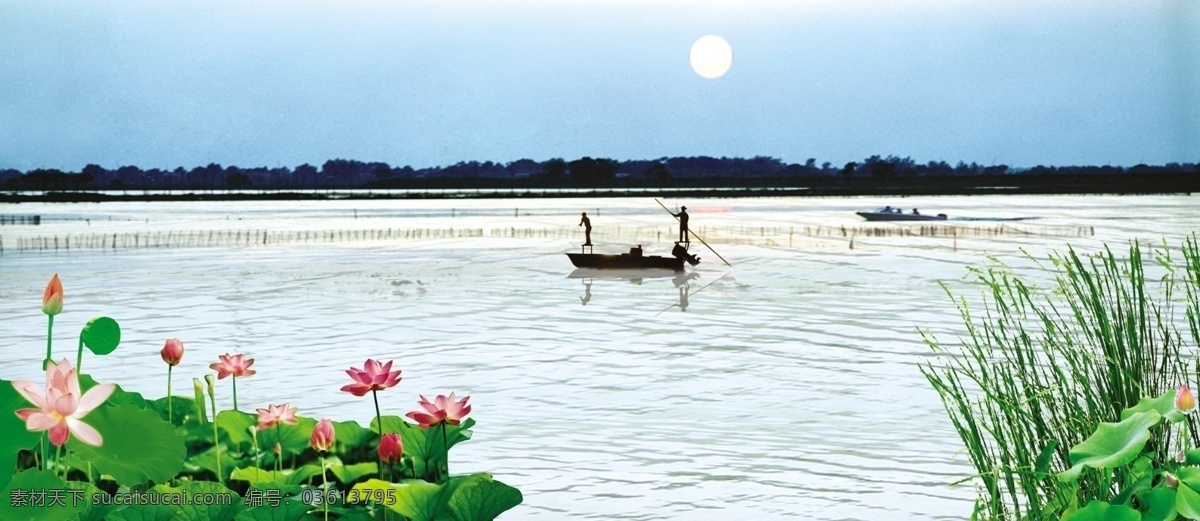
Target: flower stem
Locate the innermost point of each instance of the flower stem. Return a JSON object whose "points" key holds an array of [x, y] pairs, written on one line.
{"points": [[446, 455], [79, 355], [235, 407], [58, 461], [170, 405], [379, 424], [49, 338], [325, 500], [212, 398], [378, 421]]}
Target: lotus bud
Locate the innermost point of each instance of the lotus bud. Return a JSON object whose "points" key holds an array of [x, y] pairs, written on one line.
{"points": [[52, 298], [209, 381], [391, 448], [172, 352], [323, 436], [278, 449], [1170, 480], [1180, 457], [1185, 401]]}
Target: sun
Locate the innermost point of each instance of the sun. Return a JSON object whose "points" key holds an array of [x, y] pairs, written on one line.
{"points": [[711, 56]]}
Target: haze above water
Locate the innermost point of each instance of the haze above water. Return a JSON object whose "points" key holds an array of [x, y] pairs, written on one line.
{"points": [[789, 388]]}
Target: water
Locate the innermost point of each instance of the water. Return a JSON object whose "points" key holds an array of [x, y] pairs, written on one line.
{"points": [[788, 389]]}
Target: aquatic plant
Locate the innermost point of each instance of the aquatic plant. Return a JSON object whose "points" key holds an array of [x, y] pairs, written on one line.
{"points": [[235, 366], [123, 456], [1042, 367]]}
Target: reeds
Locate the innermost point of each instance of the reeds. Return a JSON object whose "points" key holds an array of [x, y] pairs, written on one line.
{"points": [[1041, 368]]}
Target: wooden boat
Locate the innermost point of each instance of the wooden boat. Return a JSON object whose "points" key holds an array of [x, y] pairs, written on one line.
{"points": [[634, 260], [883, 215], [625, 261]]}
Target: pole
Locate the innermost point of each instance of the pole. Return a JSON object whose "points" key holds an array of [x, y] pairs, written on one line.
{"points": [[696, 234]]}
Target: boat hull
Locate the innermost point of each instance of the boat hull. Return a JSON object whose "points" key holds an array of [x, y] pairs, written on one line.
{"points": [[879, 216], [624, 261]]}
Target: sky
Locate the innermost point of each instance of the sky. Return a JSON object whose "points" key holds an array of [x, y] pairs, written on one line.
{"points": [[426, 83]]}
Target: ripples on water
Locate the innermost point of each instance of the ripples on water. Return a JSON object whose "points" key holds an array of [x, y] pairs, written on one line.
{"points": [[789, 388]]}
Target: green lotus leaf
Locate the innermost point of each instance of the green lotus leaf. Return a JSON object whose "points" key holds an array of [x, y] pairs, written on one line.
{"points": [[414, 499], [1189, 475], [207, 461], [1112, 444], [1160, 504], [118, 396], [351, 437], [184, 410], [195, 501], [101, 335], [288, 509], [1100, 511], [1187, 501], [1164, 404], [138, 445], [350, 473], [92, 511], [18, 501], [235, 429], [14, 437], [422, 443], [256, 476], [293, 439], [480, 498]]}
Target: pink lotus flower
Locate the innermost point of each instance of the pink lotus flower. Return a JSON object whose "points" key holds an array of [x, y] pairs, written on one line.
{"points": [[172, 352], [1185, 401], [441, 409], [236, 365], [372, 377], [52, 298], [276, 414], [323, 436], [391, 448], [61, 407]]}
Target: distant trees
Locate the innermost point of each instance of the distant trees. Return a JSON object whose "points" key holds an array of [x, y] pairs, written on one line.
{"points": [[555, 172], [586, 170]]}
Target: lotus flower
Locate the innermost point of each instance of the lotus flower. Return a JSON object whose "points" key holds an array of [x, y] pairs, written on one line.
{"points": [[52, 298], [323, 436], [62, 406], [276, 414], [236, 365], [172, 352], [441, 409], [1185, 401], [372, 377], [390, 448]]}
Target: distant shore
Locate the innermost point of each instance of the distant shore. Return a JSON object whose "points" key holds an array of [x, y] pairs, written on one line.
{"points": [[1118, 184]]}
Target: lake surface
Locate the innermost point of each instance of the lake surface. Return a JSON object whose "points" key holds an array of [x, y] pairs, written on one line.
{"points": [[789, 388]]}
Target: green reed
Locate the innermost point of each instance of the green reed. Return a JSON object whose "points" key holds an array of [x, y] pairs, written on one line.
{"points": [[1041, 367]]}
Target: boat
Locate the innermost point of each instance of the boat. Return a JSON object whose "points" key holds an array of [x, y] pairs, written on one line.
{"points": [[634, 260], [896, 214]]}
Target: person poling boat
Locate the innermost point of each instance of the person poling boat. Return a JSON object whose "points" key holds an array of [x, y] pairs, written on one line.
{"points": [[686, 233], [683, 223]]}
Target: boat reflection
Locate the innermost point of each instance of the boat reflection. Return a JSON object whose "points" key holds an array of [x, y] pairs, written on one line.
{"points": [[635, 276], [681, 281]]}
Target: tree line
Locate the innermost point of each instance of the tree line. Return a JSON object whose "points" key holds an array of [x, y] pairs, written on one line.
{"points": [[698, 171]]}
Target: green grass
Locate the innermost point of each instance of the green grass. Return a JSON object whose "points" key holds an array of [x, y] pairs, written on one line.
{"points": [[1040, 367]]}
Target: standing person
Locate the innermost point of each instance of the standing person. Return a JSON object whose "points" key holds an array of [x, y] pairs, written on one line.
{"points": [[587, 229], [683, 224]]}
